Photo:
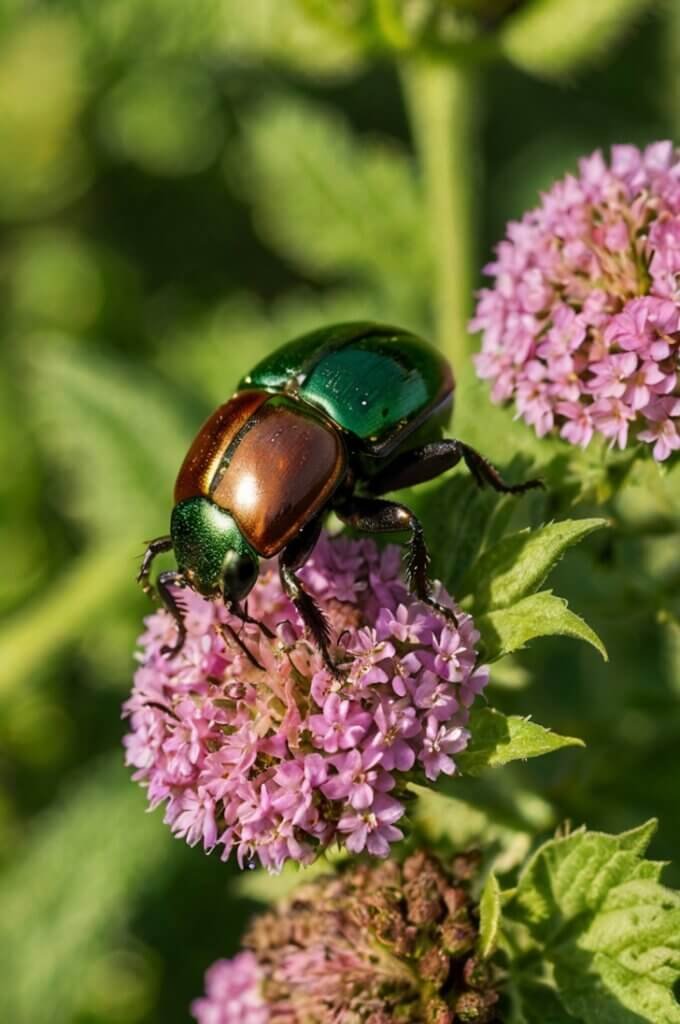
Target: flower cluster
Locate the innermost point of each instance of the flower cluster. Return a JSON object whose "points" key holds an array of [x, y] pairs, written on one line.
{"points": [[582, 325], [372, 945], [253, 745]]}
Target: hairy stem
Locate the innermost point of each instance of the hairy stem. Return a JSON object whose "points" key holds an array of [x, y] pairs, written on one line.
{"points": [[442, 103]]}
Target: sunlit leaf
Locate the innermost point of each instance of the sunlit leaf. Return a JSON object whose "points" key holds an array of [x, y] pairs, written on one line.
{"points": [[498, 739], [521, 562], [543, 614], [594, 912]]}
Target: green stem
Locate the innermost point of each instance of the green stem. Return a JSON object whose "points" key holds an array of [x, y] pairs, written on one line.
{"points": [[442, 103]]}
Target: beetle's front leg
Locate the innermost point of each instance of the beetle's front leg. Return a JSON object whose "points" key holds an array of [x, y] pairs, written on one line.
{"points": [[292, 558], [154, 547], [166, 580], [373, 515]]}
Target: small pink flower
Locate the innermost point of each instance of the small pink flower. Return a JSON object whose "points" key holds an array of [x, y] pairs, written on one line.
{"points": [[582, 324], [373, 829]]}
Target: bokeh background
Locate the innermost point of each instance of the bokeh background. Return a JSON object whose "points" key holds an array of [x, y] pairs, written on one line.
{"points": [[184, 186]]}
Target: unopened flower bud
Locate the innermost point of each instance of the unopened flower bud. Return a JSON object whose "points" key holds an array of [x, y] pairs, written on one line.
{"points": [[457, 936], [476, 1007]]}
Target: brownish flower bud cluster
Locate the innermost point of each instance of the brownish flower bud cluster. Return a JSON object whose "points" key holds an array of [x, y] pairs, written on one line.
{"points": [[377, 944]]}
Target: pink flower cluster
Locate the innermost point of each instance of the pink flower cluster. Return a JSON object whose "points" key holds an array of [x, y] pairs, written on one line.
{"points": [[254, 746], [582, 325], [232, 993]]}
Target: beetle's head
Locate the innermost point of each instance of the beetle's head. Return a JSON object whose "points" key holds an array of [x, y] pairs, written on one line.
{"points": [[211, 551]]}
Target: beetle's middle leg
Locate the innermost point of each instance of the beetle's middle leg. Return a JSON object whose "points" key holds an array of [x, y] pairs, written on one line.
{"points": [[373, 515], [294, 557], [430, 460]]}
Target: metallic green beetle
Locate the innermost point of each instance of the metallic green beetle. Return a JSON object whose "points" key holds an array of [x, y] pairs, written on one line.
{"points": [[329, 421]]}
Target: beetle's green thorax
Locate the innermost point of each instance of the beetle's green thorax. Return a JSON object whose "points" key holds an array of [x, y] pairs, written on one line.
{"points": [[203, 535]]}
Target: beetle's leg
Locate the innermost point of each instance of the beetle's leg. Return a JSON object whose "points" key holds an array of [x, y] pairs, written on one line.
{"points": [[241, 612], [424, 463], [293, 557], [154, 547], [166, 580], [373, 515]]}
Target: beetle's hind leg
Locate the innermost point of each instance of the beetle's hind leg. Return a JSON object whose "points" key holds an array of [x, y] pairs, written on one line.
{"points": [[430, 460], [292, 558], [154, 548], [374, 515], [166, 580]]}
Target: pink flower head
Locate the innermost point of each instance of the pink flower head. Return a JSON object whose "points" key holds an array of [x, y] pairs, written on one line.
{"points": [[582, 324], [232, 993], [267, 754]]}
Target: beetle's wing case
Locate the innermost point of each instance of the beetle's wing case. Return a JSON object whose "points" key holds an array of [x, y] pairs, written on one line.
{"points": [[269, 461], [380, 384], [207, 450]]}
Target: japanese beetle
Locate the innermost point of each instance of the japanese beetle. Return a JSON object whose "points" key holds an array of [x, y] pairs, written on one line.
{"points": [[329, 421]]}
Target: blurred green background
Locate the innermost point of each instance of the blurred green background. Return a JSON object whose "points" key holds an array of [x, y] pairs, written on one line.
{"points": [[182, 187]]}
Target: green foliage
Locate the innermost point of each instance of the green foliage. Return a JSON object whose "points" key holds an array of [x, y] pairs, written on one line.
{"points": [[498, 739], [544, 614], [590, 922], [489, 917], [520, 563], [554, 37], [71, 892], [117, 435], [351, 207]]}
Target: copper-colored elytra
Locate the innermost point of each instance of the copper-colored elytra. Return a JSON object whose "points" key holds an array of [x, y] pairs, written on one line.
{"points": [[207, 450], [280, 474]]}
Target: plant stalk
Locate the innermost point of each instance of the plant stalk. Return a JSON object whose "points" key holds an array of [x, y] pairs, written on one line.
{"points": [[441, 99]]}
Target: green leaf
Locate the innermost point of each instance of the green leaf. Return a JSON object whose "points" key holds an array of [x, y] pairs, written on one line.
{"points": [[70, 890], [497, 739], [605, 933], [520, 563], [489, 917], [117, 435], [554, 37], [543, 614], [351, 208]]}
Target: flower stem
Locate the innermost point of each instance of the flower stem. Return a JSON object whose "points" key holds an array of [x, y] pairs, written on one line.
{"points": [[442, 103]]}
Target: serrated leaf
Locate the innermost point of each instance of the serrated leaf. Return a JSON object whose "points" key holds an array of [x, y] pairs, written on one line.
{"points": [[554, 37], [521, 562], [498, 739], [602, 927], [489, 916], [70, 890], [543, 614], [333, 204]]}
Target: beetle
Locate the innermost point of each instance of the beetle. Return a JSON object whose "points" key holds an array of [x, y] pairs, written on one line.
{"points": [[330, 421]]}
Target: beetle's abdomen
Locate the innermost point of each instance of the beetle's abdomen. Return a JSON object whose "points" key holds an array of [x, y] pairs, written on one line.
{"points": [[271, 464]]}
